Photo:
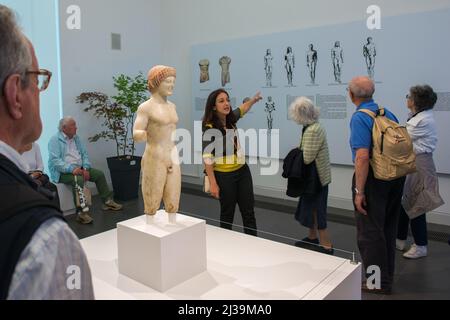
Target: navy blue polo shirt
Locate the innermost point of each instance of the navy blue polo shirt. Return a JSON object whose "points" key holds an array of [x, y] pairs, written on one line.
{"points": [[361, 127]]}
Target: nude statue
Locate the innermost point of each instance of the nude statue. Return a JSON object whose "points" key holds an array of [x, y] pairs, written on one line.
{"points": [[204, 70], [311, 63], [370, 52], [225, 64], [155, 123], [270, 107]]}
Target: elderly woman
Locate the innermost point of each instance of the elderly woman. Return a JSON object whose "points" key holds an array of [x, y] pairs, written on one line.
{"points": [[312, 208], [421, 191]]}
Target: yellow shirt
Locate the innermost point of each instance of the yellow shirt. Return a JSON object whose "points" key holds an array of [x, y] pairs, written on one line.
{"points": [[226, 163]]}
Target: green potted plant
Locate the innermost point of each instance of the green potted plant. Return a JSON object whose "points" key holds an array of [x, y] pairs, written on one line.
{"points": [[118, 117]]}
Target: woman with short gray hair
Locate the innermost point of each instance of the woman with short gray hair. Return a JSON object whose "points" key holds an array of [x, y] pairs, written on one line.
{"points": [[312, 208], [421, 191]]}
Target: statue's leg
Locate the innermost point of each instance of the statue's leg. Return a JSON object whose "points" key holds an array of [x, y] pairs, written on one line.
{"points": [[153, 178], [172, 190]]}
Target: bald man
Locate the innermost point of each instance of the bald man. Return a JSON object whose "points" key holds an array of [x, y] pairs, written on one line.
{"points": [[377, 203]]}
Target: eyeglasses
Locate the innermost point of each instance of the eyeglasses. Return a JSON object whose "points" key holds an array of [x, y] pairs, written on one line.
{"points": [[408, 96], [43, 77]]}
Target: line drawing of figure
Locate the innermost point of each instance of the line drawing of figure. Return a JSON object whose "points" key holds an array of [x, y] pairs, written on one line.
{"points": [[311, 63], [155, 124], [268, 67], [289, 60], [370, 52], [204, 70], [269, 108], [337, 58], [225, 64]]}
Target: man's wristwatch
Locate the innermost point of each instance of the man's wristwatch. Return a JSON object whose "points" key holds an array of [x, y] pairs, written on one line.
{"points": [[357, 192]]}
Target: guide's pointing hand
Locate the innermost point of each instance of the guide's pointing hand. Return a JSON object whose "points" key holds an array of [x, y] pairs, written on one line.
{"points": [[257, 97]]}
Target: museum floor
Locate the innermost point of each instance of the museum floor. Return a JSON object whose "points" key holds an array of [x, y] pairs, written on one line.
{"points": [[426, 278]]}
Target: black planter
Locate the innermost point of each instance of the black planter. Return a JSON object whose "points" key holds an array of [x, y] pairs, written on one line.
{"points": [[125, 172]]}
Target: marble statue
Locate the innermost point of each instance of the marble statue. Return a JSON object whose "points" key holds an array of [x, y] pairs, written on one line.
{"points": [[155, 123]]}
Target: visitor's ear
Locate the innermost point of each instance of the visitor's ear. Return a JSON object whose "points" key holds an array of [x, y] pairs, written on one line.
{"points": [[12, 95]]}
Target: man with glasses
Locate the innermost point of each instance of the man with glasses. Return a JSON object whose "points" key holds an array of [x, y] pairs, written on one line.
{"points": [[38, 252]]}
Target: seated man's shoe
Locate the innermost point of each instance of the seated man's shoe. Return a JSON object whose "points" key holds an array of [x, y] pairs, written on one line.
{"points": [[110, 204], [385, 291], [84, 218], [306, 242], [416, 252]]}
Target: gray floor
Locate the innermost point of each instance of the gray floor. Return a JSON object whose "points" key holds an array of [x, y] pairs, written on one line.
{"points": [[426, 278]]}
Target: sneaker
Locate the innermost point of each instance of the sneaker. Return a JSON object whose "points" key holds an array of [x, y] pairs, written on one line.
{"points": [[400, 244], [112, 205], [416, 252], [84, 218], [306, 242]]}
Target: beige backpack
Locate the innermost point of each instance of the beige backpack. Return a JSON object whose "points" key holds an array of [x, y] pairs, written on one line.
{"points": [[392, 152]]}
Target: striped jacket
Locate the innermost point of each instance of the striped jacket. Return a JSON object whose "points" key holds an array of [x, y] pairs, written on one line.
{"points": [[315, 147]]}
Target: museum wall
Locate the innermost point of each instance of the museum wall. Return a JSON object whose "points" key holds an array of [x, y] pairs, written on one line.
{"points": [[187, 23], [88, 63]]}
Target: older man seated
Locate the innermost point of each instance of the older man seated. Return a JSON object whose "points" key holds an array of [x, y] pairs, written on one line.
{"points": [[69, 164]]}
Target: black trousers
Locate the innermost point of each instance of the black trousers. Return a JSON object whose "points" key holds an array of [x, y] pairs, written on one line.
{"points": [[418, 228], [376, 232], [237, 188]]}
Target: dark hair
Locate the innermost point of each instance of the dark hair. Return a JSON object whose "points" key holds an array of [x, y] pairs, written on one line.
{"points": [[423, 97], [210, 116]]}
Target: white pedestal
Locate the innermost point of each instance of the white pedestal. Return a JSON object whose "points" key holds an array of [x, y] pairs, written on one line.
{"points": [[161, 254]]}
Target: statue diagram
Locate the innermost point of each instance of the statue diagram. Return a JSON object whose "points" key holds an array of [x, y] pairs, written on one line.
{"points": [[204, 70], [337, 58], [289, 63], [311, 63], [369, 53], [225, 65], [269, 108], [268, 58]]}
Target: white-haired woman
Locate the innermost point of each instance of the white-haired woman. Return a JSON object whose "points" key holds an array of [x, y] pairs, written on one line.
{"points": [[421, 191], [312, 208]]}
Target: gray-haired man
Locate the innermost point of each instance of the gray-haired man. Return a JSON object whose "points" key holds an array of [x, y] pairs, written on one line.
{"points": [[377, 202], [37, 246]]}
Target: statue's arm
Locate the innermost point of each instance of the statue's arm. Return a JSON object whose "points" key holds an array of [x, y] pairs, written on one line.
{"points": [[140, 126]]}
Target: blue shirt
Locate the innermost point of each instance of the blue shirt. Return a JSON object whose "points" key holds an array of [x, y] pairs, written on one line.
{"points": [[361, 127]]}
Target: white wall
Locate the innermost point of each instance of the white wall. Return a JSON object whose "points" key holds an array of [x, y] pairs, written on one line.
{"points": [[89, 63], [185, 23]]}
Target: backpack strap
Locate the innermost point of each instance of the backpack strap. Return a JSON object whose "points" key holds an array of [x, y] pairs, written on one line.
{"points": [[372, 114], [380, 112]]}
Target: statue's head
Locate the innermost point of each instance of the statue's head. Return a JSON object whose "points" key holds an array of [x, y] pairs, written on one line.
{"points": [[157, 74]]}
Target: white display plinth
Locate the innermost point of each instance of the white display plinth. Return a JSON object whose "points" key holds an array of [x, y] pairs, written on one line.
{"points": [[161, 254]]}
